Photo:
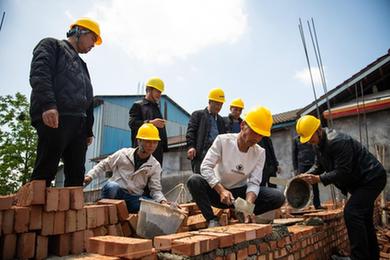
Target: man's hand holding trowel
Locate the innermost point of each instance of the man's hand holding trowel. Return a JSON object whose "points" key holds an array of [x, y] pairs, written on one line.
{"points": [[244, 208]]}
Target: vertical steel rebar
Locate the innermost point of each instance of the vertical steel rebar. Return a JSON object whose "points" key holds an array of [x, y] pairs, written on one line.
{"points": [[308, 64]]}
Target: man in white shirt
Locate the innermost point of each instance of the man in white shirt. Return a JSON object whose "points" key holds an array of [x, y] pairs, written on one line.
{"points": [[233, 168], [132, 170]]}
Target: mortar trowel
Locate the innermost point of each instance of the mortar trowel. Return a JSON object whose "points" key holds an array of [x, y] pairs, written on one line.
{"points": [[243, 208]]}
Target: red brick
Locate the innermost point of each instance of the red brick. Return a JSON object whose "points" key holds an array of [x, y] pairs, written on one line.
{"points": [[22, 219], [47, 223], [101, 215], [252, 250], [119, 229], [7, 201], [64, 199], [112, 214], [32, 193], [26, 245], [81, 222], [76, 197], [59, 223], [121, 207], [120, 246], [91, 212], [70, 221], [100, 231], [194, 245], [126, 229], [164, 243], [8, 246], [60, 244], [133, 220], [52, 199], [112, 230], [87, 234], [242, 254], [41, 247], [224, 239], [8, 221], [261, 230], [77, 242], [238, 235], [35, 218]]}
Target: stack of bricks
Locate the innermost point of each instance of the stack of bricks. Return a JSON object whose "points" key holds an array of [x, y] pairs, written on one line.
{"points": [[56, 219], [383, 235]]}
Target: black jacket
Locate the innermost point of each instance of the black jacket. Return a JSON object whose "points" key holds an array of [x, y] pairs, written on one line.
{"points": [[198, 129], [303, 155], [142, 111], [228, 120], [344, 162], [60, 79], [270, 158]]}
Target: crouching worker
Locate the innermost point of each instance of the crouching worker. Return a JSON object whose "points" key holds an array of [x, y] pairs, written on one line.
{"points": [[133, 169], [233, 168]]}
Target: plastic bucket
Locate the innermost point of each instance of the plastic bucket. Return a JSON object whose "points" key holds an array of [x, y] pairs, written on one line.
{"points": [[155, 219], [298, 193]]}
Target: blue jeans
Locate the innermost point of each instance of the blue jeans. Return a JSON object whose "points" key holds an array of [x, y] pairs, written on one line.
{"points": [[111, 190]]}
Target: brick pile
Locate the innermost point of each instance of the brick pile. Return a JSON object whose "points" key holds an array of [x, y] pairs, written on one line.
{"points": [[39, 221], [383, 235]]}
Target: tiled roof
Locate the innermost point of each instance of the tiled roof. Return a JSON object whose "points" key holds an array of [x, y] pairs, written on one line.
{"points": [[285, 116]]}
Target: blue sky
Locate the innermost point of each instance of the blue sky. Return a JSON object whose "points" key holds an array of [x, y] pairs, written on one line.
{"points": [[251, 49]]}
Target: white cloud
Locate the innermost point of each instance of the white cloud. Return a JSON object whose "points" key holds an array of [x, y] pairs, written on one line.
{"points": [[156, 31], [304, 76]]}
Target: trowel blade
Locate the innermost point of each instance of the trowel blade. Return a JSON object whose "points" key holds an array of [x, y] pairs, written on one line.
{"points": [[243, 206]]}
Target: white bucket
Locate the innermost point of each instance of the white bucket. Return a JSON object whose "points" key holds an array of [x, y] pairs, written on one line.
{"points": [[155, 219]]}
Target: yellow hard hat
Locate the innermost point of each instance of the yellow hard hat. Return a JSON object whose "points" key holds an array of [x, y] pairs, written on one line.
{"points": [[260, 120], [156, 83], [237, 103], [148, 131], [90, 25], [217, 94], [306, 127]]}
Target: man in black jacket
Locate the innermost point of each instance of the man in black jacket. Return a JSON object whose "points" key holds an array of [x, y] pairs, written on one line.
{"points": [[303, 157], [233, 120], [271, 165], [203, 128], [348, 165], [147, 110], [61, 106]]}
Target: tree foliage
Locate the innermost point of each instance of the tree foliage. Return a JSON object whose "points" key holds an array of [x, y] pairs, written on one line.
{"points": [[18, 142]]}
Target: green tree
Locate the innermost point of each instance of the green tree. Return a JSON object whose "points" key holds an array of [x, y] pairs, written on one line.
{"points": [[18, 141]]}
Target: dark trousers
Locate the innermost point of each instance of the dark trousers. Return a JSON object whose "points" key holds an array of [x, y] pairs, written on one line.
{"points": [[67, 142], [316, 191], [358, 216], [205, 197], [195, 164], [267, 173]]}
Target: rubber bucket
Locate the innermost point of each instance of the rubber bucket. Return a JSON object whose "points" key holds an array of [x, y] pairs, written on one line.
{"points": [[155, 219], [298, 193]]}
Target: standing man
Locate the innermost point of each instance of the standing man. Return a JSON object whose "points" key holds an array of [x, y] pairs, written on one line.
{"points": [[233, 120], [203, 128], [271, 166], [303, 157], [344, 162], [147, 110], [233, 168], [62, 102], [133, 170]]}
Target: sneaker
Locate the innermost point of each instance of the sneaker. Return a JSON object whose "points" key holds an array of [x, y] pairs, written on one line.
{"points": [[214, 223]]}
